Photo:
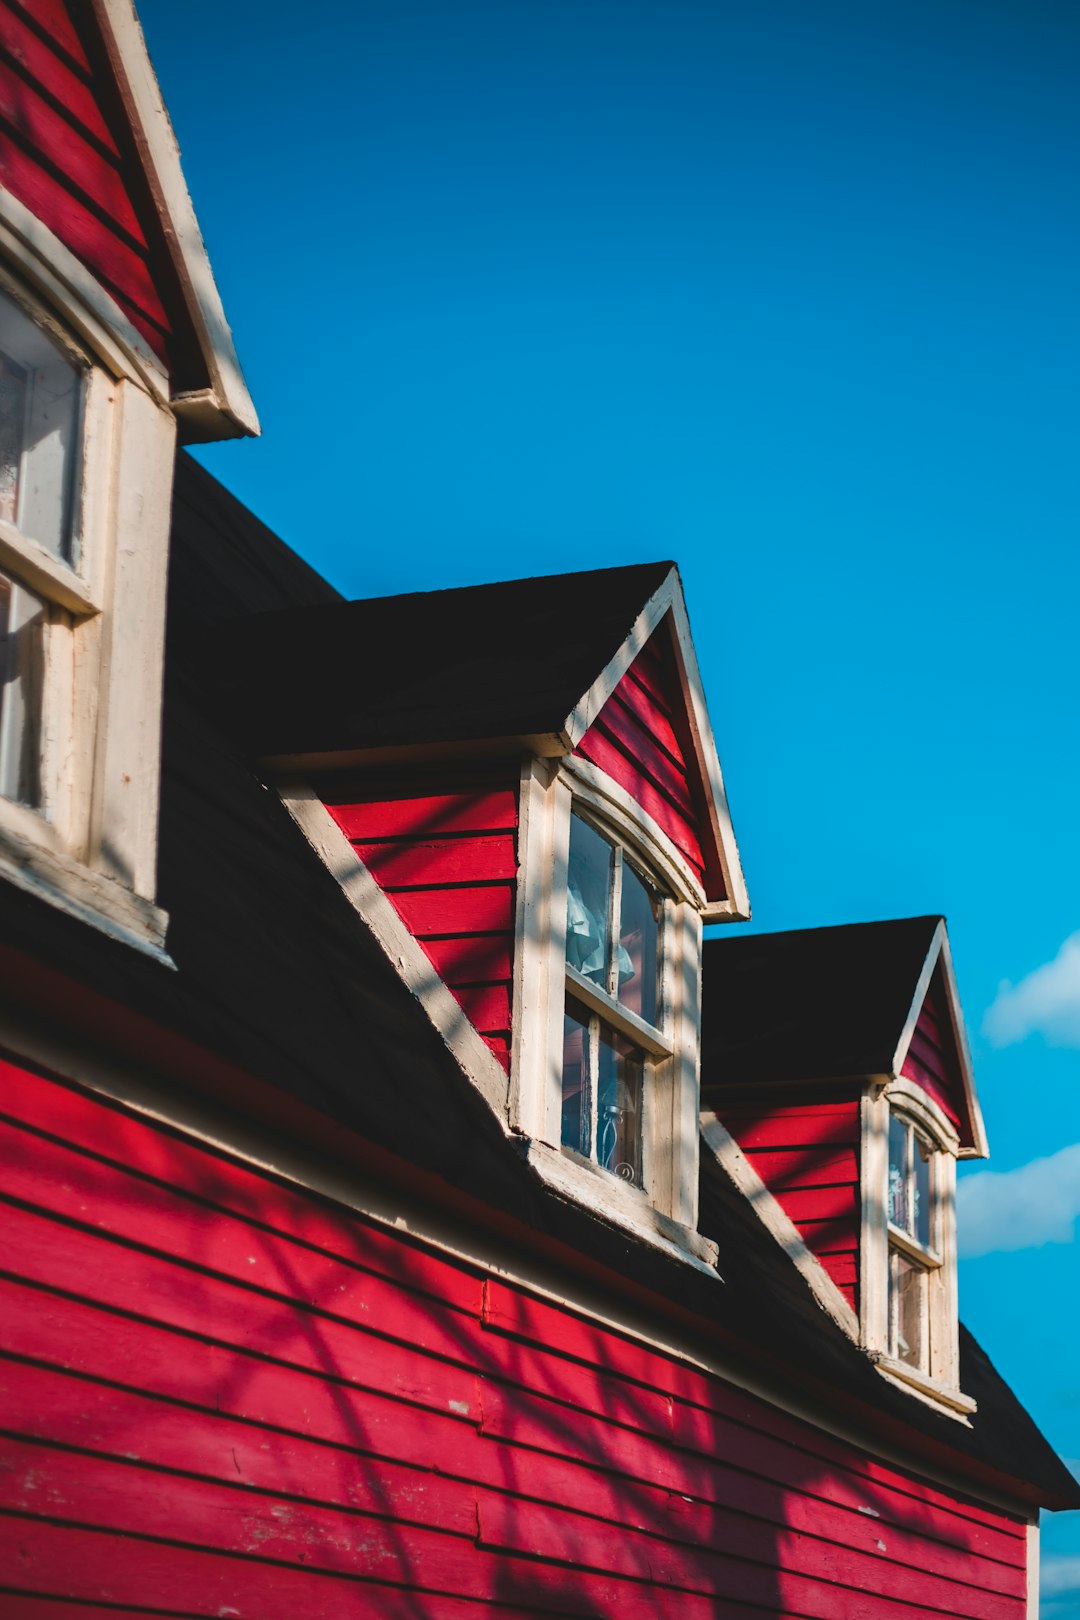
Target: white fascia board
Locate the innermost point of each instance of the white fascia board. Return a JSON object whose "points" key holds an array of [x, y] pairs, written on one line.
{"points": [[940, 952], [160, 155], [668, 599]]}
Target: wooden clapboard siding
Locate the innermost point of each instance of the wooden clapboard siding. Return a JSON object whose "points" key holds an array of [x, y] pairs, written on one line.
{"points": [[808, 1157], [220, 1394], [448, 861], [640, 740], [65, 154], [931, 1059]]}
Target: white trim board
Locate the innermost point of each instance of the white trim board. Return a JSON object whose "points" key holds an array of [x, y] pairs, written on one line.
{"points": [[940, 953], [228, 398]]}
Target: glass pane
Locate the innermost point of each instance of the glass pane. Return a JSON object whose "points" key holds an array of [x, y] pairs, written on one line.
{"points": [[621, 1070], [898, 1191], [40, 401], [575, 1094], [921, 1191], [638, 939], [588, 911], [909, 1311], [21, 621]]}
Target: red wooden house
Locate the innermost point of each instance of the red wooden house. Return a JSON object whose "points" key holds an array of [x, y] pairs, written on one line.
{"points": [[405, 1213]]}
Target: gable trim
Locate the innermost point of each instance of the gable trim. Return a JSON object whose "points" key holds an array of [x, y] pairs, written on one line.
{"points": [[226, 410], [77, 295], [408, 958], [666, 600], [733, 1161], [940, 953]]}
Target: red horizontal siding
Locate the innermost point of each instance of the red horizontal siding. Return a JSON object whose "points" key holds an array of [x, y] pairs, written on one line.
{"points": [[224, 1395], [932, 1061], [808, 1157], [60, 155], [635, 740], [448, 861]]}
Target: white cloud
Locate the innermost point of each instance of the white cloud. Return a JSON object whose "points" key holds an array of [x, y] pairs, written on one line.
{"points": [[1045, 1002], [1020, 1209]]}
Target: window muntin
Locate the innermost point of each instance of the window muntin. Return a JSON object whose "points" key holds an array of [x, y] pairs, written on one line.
{"points": [[613, 948], [40, 425], [914, 1252]]}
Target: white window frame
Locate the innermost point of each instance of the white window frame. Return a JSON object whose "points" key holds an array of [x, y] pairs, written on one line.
{"points": [[664, 1209], [937, 1379], [90, 845]]}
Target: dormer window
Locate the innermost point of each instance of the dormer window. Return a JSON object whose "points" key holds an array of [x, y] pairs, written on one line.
{"points": [[915, 1248], [614, 937]]}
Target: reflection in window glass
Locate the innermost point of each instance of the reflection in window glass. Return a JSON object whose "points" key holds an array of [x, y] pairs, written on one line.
{"points": [[898, 1213], [909, 1312], [920, 1189], [40, 404], [638, 938], [21, 650], [588, 918], [620, 1069], [575, 1102]]}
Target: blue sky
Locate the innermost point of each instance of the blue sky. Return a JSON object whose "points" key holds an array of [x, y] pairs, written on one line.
{"points": [[789, 294]]}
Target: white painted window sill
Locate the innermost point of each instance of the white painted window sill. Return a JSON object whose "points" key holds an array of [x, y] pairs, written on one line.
{"points": [[623, 1206], [950, 1402]]}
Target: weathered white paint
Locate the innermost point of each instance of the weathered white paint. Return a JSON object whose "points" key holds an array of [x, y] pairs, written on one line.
{"points": [[160, 156], [1033, 1567]]}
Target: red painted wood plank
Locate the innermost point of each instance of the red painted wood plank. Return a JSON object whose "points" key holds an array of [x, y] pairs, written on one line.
{"points": [[483, 909], [487, 1006], [795, 1129], [69, 1412], [471, 958], [836, 1204], [596, 748], [76, 1188], [80, 1263], [111, 260], [53, 18], [53, 75], [177, 1162], [653, 716], [788, 1168], [425, 865], [428, 816], [98, 1566], [525, 1528], [697, 1397], [652, 668], [623, 728], [59, 143]]}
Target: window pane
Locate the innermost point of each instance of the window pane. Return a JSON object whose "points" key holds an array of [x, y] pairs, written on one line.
{"points": [[618, 1094], [40, 400], [21, 622], [909, 1311], [898, 1190], [575, 1095], [638, 939], [921, 1191], [588, 912]]}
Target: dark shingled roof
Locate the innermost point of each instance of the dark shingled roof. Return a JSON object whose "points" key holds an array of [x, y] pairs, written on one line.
{"points": [[812, 1003], [277, 975], [481, 662]]}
